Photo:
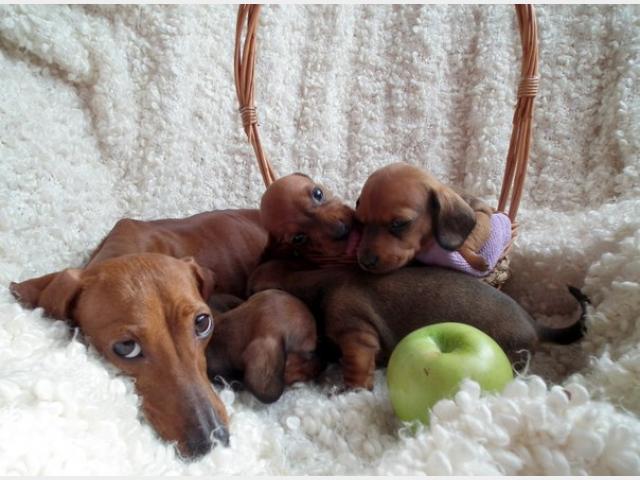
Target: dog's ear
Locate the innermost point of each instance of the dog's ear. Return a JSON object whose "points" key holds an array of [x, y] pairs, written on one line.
{"points": [[264, 362], [453, 218], [223, 302], [55, 292], [204, 276]]}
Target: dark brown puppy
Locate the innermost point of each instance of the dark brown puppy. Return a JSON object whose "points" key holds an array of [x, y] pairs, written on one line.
{"points": [[403, 209], [304, 219], [267, 342], [144, 309], [367, 315]]}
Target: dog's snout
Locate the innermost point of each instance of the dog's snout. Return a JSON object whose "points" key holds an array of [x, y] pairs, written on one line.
{"points": [[197, 447], [221, 434], [206, 430], [368, 260], [201, 443], [341, 230]]}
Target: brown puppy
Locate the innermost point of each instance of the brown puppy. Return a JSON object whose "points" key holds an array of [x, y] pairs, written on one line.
{"points": [[404, 209], [144, 311], [367, 315], [304, 219], [267, 342]]}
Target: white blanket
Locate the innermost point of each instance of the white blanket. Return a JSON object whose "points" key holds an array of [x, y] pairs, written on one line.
{"points": [[112, 111]]}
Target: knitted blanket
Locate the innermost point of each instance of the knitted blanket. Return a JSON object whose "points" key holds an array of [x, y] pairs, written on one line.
{"points": [[125, 110]]}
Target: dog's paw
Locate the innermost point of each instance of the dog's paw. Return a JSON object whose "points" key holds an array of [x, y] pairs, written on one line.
{"points": [[475, 260]]}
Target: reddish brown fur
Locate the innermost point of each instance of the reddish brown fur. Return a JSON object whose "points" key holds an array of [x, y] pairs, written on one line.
{"points": [[401, 192], [267, 342], [134, 289], [366, 315], [288, 208], [480, 233], [228, 242]]}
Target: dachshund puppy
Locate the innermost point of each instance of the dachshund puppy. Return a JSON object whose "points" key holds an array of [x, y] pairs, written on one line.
{"points": [[305, 220], [141, 301], [407, 214], [267, 342], [367, 315]]}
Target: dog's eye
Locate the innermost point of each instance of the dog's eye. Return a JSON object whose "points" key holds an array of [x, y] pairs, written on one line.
{"points": [[317, 194], [299, 239], [204, 325], [127, 349], [398, 225]]}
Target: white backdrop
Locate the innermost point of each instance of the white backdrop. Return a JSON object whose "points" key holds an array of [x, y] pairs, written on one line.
{"points": [[112, 111]]}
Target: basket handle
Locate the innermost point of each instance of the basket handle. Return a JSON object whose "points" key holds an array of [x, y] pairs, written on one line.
{"points": [[244, 62], [520, 144]]}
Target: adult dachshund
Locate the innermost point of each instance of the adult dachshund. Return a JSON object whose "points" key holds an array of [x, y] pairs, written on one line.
{"points": [[142, 302]]}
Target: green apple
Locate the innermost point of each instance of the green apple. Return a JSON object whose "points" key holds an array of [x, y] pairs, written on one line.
{"points": [[429, 364]]}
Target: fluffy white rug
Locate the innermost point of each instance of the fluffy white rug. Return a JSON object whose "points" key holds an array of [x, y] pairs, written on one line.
{"points": [[111, 111]]}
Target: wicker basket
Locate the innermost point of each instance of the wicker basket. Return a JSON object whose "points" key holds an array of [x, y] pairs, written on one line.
{"points": [[519, 146]]}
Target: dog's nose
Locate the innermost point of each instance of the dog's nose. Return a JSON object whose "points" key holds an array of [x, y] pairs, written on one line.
{"points": [[368, 260], [206, 429], [198, 447], [341, 231], [221, 434]]}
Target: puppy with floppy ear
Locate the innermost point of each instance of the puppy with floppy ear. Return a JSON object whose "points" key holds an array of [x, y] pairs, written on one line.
{"points": [[267, 342], [405, 211], [305, 220]]}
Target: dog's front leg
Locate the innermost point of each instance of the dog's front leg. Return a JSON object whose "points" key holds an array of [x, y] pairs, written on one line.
{"points": [[474, 259], [302, 367], [359, 350]]}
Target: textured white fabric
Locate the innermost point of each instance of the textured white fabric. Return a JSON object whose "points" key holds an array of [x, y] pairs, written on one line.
{"points": [[111, 111]]}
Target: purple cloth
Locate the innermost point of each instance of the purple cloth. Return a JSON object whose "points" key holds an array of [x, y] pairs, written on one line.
{"points": [[491, 251]]}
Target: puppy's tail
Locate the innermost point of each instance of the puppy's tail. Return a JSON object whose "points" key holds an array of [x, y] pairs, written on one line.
{"points": [[573, 332]]}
